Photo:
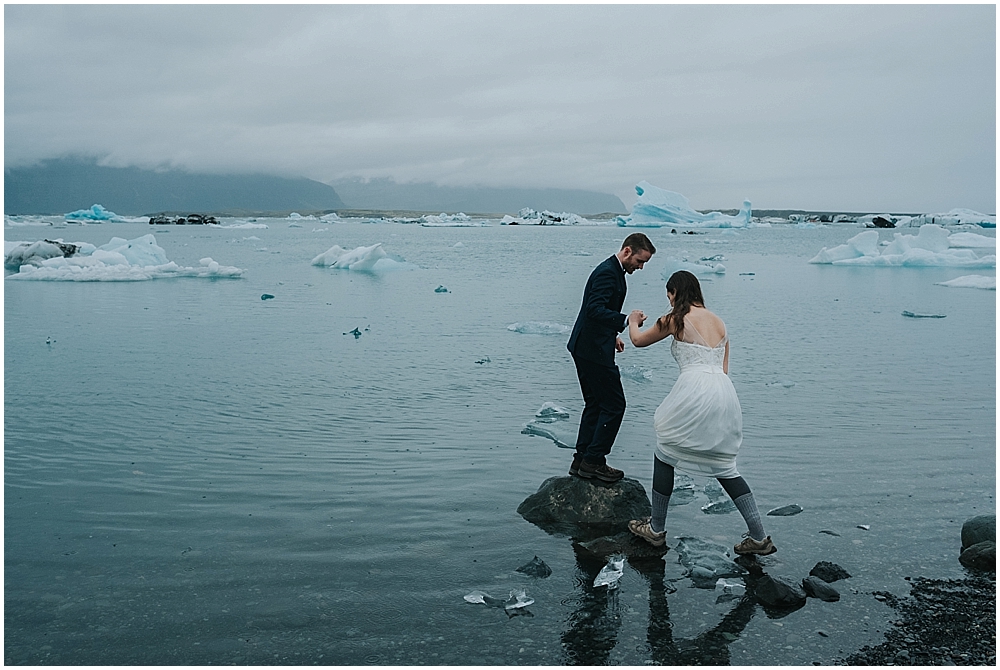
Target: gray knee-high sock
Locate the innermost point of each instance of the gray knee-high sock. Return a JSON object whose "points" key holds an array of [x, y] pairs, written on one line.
{"points": [[659, 516], [748, 508]]}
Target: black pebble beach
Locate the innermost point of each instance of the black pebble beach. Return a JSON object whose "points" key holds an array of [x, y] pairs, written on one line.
{"points": [[943, 622]]}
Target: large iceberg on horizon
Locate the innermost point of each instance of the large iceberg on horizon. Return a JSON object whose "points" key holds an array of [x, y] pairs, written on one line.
{"points": [[930, 247], [372, 259], [93, 213], [140, 259], [657, 207], [956, 217]]}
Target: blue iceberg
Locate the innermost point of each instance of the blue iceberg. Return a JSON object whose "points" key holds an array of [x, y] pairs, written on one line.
{"points": [[656, 208], [95, 213]]}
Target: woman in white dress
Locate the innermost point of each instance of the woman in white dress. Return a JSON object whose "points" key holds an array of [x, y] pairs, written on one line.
{"points": [[699, 425]]}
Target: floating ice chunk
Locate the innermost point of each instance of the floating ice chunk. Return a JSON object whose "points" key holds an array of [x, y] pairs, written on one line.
{"points": [[371, 259], [457, 245], [539, 328], [862, 244], [972, 281], [700, 269], [706, 561], [17, 254], [517, 599], [929, 248], [610, 573], [719, 507], [332, 216], [563, 437], [730, 588], [94, 213], [957, 216], [657, 207], [442, 220], [786, 510], [550, 411], [120, 260], [971, 241], [246, 225], [636, 373], [919, 315]]}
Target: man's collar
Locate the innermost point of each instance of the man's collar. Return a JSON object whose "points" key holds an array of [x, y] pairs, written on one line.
{"points": [[619, 262]]}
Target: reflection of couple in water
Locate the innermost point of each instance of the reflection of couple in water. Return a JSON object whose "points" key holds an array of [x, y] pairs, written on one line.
{"points": [[699, 425]]}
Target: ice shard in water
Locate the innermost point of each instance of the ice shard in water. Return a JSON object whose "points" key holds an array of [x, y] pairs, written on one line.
{"points": [[657, 207]]}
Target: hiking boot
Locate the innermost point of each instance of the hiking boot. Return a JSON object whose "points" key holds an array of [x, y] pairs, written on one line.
{"points": [[603, 472], [752, 546], [574, 469], [641, 528]]}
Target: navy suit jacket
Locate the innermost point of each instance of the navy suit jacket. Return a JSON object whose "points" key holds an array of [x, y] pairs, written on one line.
{"points": [[600, 318]]}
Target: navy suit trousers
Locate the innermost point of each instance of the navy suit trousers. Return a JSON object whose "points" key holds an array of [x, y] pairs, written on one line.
{"points": [[604, 409]]}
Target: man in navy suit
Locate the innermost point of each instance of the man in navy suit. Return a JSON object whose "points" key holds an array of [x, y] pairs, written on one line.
{"points": [[593, 345]]}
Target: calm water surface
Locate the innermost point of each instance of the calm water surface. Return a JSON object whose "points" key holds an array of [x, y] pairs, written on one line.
{"points": [[194, 475]]}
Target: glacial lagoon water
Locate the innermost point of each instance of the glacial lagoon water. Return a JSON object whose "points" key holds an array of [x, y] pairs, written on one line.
{"points": [[194, 475]]}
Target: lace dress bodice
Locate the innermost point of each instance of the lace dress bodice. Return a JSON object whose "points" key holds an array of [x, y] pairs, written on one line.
{"points": [[693, 356]]}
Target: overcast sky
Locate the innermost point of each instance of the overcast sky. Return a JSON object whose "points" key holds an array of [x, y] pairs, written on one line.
{"points": [[855, 108]]}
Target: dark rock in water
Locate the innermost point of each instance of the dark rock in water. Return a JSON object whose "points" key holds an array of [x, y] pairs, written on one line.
{"points": [[622, 543], [779, 592], [831, 532], [882, 222], [979, 529], [817, 588], [441, 289], [266, 296], [356, 333], [980, 556], [564, 504], [159, 220], [535, 568], [829, 572], [918, 315], [787, 510]]}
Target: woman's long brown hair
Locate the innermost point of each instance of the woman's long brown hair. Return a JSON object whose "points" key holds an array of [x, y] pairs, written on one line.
{"points": [[687, 293]]}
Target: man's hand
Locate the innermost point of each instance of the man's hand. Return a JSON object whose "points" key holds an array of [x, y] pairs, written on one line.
{"points": [[619, 345], [637, 317]]}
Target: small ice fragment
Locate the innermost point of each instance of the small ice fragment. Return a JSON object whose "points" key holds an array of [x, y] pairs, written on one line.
{"points": [[483, 361], [540, 328], [747, 274], [636, 373], [864, 526], [518, 599], [725, 587], [441, 289], [787, 510], [918, 315], [610, 573], [475, 597], [716, 258], [550, 410], [712, 489], [721, 507], [266, 296], [457, 244]]}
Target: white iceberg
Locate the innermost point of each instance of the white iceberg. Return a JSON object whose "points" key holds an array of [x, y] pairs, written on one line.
{"points": [[930, 247], [971, 241], [443, 220], [17, 254], [956, 217], [140, 259], [529, 217], [971, 281], [372, 259], [94, 213], [657, 207], [698, 269]]}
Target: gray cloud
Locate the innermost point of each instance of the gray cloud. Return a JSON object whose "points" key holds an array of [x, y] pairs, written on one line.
{"points": [[848, 107]]}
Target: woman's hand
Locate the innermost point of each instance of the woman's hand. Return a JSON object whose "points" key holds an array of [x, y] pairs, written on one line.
{"points": [[637, 317]]}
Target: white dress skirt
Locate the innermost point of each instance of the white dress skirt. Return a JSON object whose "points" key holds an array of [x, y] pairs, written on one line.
{"points": [[699, 425]]}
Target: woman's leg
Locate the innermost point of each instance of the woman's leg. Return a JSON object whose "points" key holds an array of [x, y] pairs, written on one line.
{"points": [[739, 491], [663, 487]]}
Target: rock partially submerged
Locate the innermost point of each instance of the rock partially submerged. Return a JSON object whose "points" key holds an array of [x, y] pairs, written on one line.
{"points": [[569, 505], [979, 529], [817, 588], [779, 593], [536, 567], [829, 572], [980, 556]]}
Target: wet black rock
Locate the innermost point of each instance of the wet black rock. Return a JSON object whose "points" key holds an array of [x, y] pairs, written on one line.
{"points": [[980, 556], [568, 504], [787, 510], [943, 622], [536, 567], [977, 529], [817, 588], [829, 572], [779, 593], [622, 543], [882, 222]]}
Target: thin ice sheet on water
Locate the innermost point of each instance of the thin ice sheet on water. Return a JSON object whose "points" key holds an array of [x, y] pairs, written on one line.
{"points": [[971, 281]]}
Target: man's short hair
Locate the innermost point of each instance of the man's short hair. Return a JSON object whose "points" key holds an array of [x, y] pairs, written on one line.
{"points": [[639, 241]]}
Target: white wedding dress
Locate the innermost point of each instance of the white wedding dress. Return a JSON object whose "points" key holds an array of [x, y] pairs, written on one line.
{"points": [[699, 425]]}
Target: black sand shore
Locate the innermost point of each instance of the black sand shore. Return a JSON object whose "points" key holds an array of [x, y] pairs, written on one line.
{"points": [[942, 622]]}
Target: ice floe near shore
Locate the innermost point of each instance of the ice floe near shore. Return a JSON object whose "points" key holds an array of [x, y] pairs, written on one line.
{"points": [[372, 259], [657, 207], [930, 247], [540, 328], [140, 259]]}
